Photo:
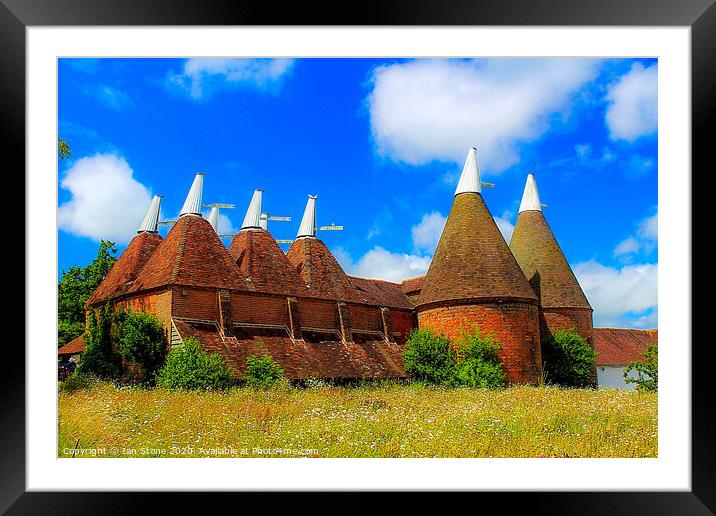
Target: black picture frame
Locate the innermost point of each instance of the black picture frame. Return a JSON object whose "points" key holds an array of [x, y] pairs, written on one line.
{"points": [[700, 15]]}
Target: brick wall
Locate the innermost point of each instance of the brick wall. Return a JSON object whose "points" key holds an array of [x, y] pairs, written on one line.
{"points": [[195, 303], [259, 309], [158, 304], [404, 321], [514, 325], [316, 313], [365, 317], [553, 319]]}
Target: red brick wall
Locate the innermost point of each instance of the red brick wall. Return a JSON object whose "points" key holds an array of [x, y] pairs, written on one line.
{"points": [[404, 321], [259, 309], [365, 317], [318, 313], [514, 325], [157, 304], [553, 319], [195, 303]]}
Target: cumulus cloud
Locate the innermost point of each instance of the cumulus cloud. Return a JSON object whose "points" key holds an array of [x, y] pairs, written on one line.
{"points": [[426, 233], [200, 77], [107, 202], [380, 263], [632, 111], [506, 227], [112, 97], [625, 296], [434, 109], [644, 240]]}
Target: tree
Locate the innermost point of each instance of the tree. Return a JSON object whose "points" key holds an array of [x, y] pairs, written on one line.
{"points": [[67, 331], [141, 339], [647, 371], [99, 359], [78, 283], [568, 359], [63, 148]]}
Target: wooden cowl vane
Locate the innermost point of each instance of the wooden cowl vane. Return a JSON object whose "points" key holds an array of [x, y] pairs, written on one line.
{"points": [[562, 300], [474, 280]]}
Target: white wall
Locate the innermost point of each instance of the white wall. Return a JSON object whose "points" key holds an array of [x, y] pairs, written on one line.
{"points": [[611, 377]]}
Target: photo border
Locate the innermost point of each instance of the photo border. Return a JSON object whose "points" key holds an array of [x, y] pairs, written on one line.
{"points": [[700, 15]]}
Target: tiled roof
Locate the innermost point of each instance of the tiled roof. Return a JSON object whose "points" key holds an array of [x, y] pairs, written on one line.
{"points": [[320, 271], [412, 285], [472, 260], [544, 264], [381, 293], [191, 255], [77, 345], [301, 359], [259, 258], [120, 277], [619, 346]]}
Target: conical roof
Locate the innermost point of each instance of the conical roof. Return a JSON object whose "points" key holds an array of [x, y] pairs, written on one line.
{"points": [[150, 221], [191, 254], [536, 250], [308, 221], [252, 219], [261, 260], [320, 271], [121, 276], [472, 260]]}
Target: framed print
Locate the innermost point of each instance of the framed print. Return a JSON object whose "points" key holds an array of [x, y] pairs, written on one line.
{"points": [[414, 250]]}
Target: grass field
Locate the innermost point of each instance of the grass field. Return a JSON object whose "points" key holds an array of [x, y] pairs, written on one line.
{"points": [[372, 421]]}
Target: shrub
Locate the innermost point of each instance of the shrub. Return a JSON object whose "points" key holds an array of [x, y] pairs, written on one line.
{"points": [[568, 359], [262, 371], [190, 367], [141, 339], [78, 381], [647, 371], [428, 357], [98, 358], [478, 363]]}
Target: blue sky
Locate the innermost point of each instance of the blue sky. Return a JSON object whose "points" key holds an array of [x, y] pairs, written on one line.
{"points": [[381, 142]]}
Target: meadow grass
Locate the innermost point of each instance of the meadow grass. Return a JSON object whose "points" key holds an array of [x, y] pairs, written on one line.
{"points": [[387, 420]]}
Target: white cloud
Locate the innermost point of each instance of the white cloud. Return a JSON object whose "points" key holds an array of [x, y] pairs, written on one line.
{"points": [[112, 97], [645, 239], [200, 77], [435, 109], [426, 233], [632, 112], [627, 246], [506, 227], [107, 202], [582, 149], [620, 297], [380, 263]]}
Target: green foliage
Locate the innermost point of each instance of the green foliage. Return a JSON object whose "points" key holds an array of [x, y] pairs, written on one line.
{"points": [[189, 367], [63, 148], [141, 339], [98, 358], [78, 283], [428, 357], [647, 371], [262, 371], [568, 359], [478, 363], [67, 331], [78, 381]]}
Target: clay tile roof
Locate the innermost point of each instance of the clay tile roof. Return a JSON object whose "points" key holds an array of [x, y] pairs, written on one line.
{"points": [[77, 345], [412, 285], [191, 255], [544, 264], [320, 271], [259, 258], [619, 347], [381, 293], [472, 260], [120, 277], [302, 359]]}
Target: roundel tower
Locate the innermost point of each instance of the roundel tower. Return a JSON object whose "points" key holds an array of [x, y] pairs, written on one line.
{"points": [[563, 304], [474, 280]]}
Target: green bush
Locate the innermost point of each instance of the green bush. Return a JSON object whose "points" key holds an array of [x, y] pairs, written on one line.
{"points": [[262, 371], [478, 363], [99, 359], [141, 339], [647, 371], [190, 367], [568, 359], [78, 381], [428, 357]]}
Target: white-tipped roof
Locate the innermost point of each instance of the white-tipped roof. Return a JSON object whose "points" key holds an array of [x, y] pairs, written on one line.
{"points": [[530, 198], [151, 218], [252, 219], [263, 221], [470, 177], [214, 218], [192, 205], [308, 222]]}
